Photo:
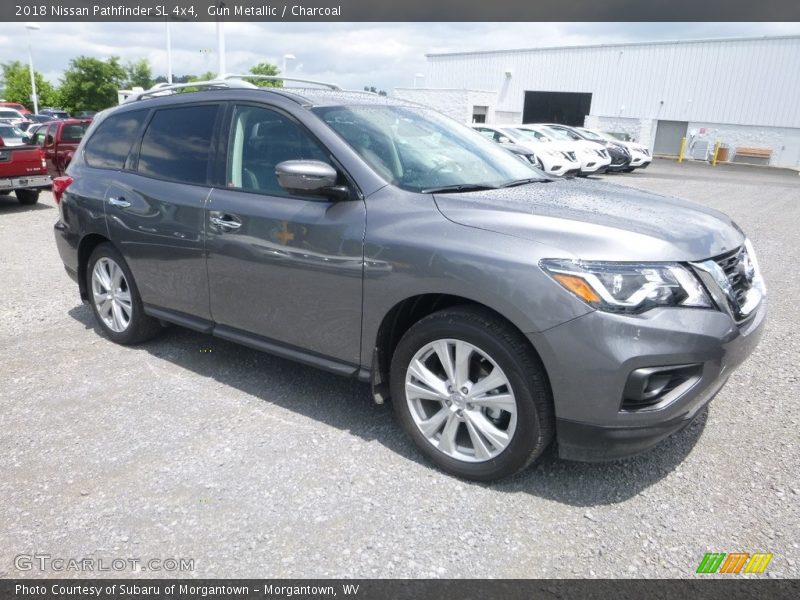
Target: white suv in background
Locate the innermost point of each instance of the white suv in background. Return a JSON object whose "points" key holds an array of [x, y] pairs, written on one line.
{"points": [[640, 154], [553, 158], [594, 157]]}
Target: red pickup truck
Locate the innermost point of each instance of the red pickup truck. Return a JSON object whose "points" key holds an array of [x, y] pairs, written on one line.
{"points": [[59, 140], [23, 169]]}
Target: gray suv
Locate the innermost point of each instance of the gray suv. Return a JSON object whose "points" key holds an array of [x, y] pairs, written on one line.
{"points": [[499, 309]]}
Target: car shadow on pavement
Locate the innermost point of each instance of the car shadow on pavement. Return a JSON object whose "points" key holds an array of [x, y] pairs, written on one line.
{"points": [[347, 405], [9, 204]]}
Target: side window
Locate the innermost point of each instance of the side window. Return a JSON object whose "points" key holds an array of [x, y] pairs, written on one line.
{"points": [[39, 136], [73, 133], [177, 144], [51, 135], [112, 141], [261, 138]]}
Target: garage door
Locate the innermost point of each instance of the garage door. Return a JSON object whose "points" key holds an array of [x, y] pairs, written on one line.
{"points": [[668, 137], [567, 108]]}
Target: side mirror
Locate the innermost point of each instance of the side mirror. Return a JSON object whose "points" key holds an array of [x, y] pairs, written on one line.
{"points": [[309, 177], [503, 140]]}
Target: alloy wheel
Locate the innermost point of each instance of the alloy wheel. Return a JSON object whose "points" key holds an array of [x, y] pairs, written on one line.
{"points": [[461, 400], [111, 294]]}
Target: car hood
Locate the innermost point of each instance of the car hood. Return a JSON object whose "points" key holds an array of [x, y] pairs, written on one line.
{"points": [[594, 220]]}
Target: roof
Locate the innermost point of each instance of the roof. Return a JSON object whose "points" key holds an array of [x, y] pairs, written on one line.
{"points": [[617, 45], [322, 97], [304, 96]]}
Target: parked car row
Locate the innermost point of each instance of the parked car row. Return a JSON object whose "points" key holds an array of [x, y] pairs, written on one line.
{"points": [[13, 113], [566, 151]]}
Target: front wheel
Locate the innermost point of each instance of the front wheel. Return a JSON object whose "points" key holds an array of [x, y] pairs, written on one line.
{"points": [[27, 197], [471, 393], [115, 298]]}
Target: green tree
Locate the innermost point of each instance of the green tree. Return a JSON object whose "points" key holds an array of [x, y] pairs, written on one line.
{"points": [[139, 74], [374, 90], [16, 83], [207, 76], [91, 84], [265, 68]]}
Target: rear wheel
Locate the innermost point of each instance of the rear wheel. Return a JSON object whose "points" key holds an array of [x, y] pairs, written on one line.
{"points": [[115, 298], [471, 394], [27, 196]]}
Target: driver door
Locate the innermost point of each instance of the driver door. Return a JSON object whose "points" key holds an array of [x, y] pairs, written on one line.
{"points": [[282, 268]]}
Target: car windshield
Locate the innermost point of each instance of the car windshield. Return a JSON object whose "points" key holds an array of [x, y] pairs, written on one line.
{"points": [[623, 137], [9, 114], [557, 134], [6, 131], [591, 135], [529, 134], [420, 150]]}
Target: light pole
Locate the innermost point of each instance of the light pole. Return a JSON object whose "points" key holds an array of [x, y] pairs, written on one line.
{"points": [[32, 27], [285, 58], [169, 50], [221, 69]]}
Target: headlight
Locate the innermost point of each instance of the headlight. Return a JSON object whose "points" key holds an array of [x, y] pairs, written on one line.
{"points": [[628, 287]]}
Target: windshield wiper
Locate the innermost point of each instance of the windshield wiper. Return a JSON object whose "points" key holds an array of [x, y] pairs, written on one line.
{"points": [[459, 187], [517, 182]]}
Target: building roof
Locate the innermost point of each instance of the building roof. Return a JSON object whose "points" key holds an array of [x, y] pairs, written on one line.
{"points": [[616, 45]]}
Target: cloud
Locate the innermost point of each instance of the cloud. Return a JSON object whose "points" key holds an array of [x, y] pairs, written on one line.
{"points": [[385, 55]]}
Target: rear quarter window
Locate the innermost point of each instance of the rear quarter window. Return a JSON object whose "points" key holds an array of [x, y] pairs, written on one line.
{"points": [[112, 141]]}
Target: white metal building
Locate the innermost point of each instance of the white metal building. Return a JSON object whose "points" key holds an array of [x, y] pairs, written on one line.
{"points": [[743, 92]]}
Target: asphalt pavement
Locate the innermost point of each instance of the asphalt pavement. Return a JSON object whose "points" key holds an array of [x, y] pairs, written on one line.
{"points": [[189, 447]]}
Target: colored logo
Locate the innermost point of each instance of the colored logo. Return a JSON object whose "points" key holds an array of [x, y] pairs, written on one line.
{"points": [[736, 562]]}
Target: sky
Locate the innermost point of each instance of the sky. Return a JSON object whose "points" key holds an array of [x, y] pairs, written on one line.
{"points": [[353, 55]]}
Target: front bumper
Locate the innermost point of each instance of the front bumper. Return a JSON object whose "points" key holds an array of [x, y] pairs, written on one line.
{"points": [[590, 359]]}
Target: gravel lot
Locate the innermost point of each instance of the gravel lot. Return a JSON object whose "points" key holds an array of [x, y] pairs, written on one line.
{"points": [[192, 447]]}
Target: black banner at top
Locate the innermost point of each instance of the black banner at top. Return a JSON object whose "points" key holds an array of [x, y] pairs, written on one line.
{"points": [[402, 10]]}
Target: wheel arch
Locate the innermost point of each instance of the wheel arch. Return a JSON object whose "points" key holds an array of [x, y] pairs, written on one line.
{"points": [[85, 248], [406, 313]]}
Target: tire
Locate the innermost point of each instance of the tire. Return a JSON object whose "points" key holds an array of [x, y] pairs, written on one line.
{"points": [[470, 435], [628, 170], [122, 318], [27, 197]]}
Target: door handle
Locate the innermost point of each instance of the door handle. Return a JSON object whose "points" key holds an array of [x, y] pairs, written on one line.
{"points": [[119, 202], [225, 223]]}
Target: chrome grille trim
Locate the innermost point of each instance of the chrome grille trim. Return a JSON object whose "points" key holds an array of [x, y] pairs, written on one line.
{"points": [[730, 283]]}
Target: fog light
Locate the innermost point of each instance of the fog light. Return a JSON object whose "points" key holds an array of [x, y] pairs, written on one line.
{"points": [[654, 385]]}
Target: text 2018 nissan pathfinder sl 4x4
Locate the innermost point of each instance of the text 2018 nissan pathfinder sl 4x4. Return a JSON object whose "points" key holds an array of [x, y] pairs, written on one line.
{"points": [[497, 308]]}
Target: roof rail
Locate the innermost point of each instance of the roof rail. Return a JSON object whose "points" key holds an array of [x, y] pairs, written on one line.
{"points": [[330, 86], [161, 89], [226, 81]]}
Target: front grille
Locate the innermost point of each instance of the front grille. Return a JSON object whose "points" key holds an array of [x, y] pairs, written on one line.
{"points": [[731, 265]]}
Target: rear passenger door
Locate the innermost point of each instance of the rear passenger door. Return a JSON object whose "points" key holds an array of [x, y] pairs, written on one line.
{"points": [[155, 207], [282, 268]]}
